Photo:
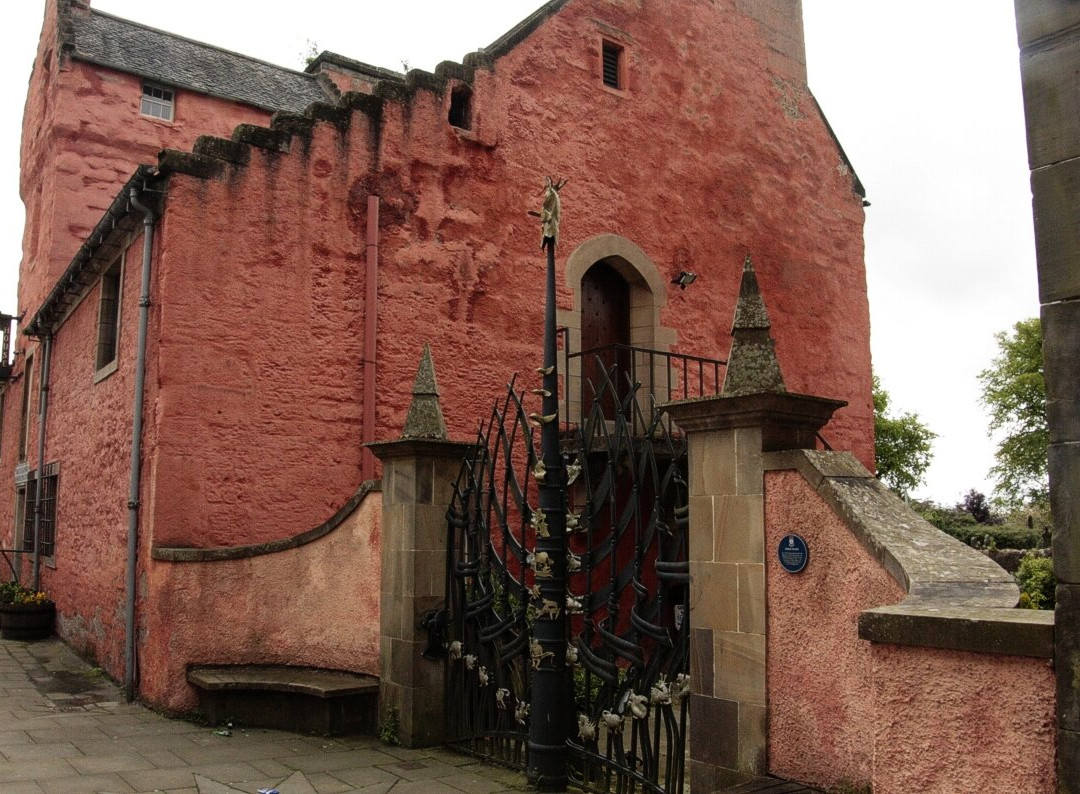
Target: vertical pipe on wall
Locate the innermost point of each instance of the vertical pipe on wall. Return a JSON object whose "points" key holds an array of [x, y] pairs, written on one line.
{"points": [[43, 411], [371, 323], [136, 448]]}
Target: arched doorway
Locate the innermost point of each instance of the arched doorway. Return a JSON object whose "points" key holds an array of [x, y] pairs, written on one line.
{"points": [[610, 274]]}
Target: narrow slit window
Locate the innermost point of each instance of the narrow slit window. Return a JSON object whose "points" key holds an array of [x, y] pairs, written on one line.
{"points": [[20, 516], [157, 102], [108, 317], [613, 56], [461, 107], [24, 415]]}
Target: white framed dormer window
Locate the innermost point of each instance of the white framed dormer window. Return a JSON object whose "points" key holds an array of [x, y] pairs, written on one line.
{"points": [[108, 330], [157, 102]]}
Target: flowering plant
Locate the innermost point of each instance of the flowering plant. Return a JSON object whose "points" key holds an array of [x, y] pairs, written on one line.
{"points": [[15, 593], [30, 597]]}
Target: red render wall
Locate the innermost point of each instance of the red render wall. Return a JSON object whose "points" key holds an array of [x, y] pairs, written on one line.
{"points": [[91, 142], [315, 605], [9, 443], [89, 433], [261, 331], [82, 138], [949, 721], [821, 682], [38, 175], [347, 81], [83, 135], [705, 157], [844, 711]]}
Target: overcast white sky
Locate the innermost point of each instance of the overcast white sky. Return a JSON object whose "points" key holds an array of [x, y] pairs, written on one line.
{"points": [[923, 94]]}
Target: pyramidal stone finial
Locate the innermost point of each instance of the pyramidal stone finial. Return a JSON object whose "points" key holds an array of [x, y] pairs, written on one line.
{"points": [[752, 367], [425, 417]]}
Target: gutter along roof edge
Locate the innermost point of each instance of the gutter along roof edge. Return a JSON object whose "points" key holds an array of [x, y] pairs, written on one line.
{"points": [[117, 220]]}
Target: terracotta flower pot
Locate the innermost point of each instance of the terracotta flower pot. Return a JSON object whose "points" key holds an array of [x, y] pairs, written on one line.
{"points": [[27, 621]]}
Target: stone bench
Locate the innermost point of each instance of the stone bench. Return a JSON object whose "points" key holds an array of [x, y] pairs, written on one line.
{"points": [[302, 699]]}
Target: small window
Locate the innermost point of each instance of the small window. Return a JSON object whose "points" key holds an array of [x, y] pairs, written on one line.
{"points": [[108, 317], [461, 107], [24, 415], [47, 523], [20, 516], [157, 102], [613, 65]]}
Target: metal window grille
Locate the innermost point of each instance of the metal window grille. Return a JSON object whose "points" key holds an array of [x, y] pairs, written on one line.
{"points": [[47, 524], [612, 62], [108, 316], [157, 102]]}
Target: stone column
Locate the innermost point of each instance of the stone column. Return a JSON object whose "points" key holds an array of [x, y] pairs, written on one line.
{"points": [[727, 435], [1049, 34], [418, 472]]}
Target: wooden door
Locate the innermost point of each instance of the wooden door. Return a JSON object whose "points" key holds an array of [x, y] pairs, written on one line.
{"points": [[605, 322]]}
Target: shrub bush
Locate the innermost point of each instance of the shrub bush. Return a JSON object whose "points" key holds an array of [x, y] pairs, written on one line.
{"points": [[1035, 576], [1004, 536], [943, 517]]}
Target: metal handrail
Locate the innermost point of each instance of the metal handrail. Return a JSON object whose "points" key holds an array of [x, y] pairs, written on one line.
{"points": [[700, 376]]}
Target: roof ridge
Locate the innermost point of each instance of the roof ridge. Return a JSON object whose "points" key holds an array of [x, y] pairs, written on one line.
{"points": [[523, 29]]}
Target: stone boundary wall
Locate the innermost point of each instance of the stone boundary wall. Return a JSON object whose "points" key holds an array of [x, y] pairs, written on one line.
{"points": [[187, 554], [315, 604], [896, 659]]}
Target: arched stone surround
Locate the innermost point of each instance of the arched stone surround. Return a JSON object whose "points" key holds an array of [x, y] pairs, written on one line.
{"points": [[648, 296]]}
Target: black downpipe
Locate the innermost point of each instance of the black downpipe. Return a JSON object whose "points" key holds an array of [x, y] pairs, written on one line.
{"points": [[43, 412], [136, 448]]}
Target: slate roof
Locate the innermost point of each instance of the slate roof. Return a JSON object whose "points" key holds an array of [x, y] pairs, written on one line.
{"points": [[175, 61]]}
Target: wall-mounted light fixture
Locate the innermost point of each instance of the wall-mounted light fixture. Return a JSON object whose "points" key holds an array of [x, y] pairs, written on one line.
{"points": [[684, 279]]}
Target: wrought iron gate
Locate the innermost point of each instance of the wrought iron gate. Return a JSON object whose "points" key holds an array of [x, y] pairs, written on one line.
{"points": [[626, 658]]}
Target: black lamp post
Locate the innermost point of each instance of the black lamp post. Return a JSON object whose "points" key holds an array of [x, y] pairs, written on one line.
{"points": [[550, 708]]}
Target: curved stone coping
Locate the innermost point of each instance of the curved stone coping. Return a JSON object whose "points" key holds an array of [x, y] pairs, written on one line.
{"points": [[312, 681], [1016, 632], [958, 598], [218, 553]]}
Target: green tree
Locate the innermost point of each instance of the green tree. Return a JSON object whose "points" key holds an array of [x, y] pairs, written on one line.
{"points": [[1014, 392], [902, 445]]}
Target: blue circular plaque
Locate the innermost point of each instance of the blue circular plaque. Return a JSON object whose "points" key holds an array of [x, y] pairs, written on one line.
{"points": [[793, 553]]}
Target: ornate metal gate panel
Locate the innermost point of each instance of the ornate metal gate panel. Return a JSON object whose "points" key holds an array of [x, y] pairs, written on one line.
{"points": [[630, 646], [488, 682], [627, 591]]}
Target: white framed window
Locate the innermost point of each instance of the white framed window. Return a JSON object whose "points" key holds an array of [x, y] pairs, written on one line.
{"points": [[157, 102], [108, 330]]}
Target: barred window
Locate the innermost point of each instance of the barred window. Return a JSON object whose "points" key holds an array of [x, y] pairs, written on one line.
{"points": [[157, 102], [47, 523]]}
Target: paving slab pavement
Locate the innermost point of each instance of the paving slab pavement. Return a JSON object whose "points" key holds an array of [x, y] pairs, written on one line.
{"points": [[64, 729]]}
